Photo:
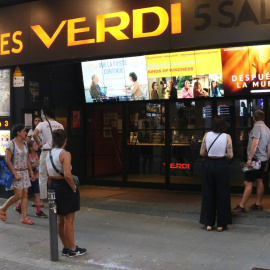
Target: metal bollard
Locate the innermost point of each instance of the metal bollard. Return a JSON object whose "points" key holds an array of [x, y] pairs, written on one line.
{"points": [[53, 226]]}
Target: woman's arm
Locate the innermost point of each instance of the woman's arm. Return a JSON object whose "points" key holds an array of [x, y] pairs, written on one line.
{"points": [[203, 151], [49, 178], [134, 87], [229, 153], [30, 170], [126, 90], [10, 165], [65, 159]]}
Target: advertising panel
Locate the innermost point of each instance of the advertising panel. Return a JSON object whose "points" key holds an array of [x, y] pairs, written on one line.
{"points": [[158, 65], [4, 92], [117, 79], [246, 70], [191, 74], [235, 65], [259, 65], [160, 76], [4, 139]]}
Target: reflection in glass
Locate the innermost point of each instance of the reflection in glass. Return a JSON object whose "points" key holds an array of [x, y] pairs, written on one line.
{"points": [[145, 156]]}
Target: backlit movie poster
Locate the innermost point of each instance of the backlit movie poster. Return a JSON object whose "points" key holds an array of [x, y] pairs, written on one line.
{"points": [[179, 75], [4, 92], [259, 64], [5, 137], [246, 70]]}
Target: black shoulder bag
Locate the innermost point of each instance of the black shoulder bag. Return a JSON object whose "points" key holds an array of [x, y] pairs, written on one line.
{"points": [[75, 178]]}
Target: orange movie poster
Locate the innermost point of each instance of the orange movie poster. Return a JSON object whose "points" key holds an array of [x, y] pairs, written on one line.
{"points": [[236, 73], [259, 61]]}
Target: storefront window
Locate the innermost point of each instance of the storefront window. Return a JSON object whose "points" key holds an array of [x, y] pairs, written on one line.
{"points": [[243, 117], [105, 160], [188, 122], [151, 142], [146, 143]]}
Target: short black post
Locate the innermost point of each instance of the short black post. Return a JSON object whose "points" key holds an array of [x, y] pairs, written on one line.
{"points": [[53, 226]]}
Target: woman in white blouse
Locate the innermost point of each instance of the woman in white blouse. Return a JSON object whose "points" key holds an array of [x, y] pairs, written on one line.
{"points": [[134, 87]]}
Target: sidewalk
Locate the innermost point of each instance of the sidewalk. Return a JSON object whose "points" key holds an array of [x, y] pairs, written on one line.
{"points": [[165, 203], [141, 229]]}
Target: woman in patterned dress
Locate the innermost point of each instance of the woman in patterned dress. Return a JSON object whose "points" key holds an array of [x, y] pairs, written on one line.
{"points": [[22, 171]]}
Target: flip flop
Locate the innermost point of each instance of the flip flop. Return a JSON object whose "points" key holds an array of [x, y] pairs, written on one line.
{"points": [[3, 215], [27, 221]]}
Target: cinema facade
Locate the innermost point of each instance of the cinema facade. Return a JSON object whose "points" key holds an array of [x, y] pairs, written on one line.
{"points": [[51, 51]]}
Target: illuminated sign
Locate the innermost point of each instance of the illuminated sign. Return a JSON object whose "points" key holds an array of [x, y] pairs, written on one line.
{"points": [[4, 139], [6, 39], [87, 30], [183, 166], [4, 123], [115, 31]]}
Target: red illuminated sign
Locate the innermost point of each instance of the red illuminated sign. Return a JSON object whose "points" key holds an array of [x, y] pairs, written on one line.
{"points": [[183, 166]]}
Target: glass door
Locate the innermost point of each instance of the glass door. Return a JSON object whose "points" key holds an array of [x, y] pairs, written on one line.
{"points": [[145, 153]]}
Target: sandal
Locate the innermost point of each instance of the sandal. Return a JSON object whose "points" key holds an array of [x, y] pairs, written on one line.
{"points": [[27, 221], [209, 228], [3, 215], [221, 229]]}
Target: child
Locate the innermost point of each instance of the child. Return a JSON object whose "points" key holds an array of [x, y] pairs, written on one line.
{"points": [[33, 157]]}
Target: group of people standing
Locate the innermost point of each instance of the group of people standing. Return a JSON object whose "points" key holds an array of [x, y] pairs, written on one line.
{"points": [[33, 174], [217, 148], [170, 92]]}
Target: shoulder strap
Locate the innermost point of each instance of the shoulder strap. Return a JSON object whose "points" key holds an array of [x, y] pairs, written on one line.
{"points": [[50, 129], [50, 125], [13, 151], [213, 142], [54, 165]]}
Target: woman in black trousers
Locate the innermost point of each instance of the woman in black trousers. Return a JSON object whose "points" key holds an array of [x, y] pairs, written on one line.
{"points": [[216, 201]]}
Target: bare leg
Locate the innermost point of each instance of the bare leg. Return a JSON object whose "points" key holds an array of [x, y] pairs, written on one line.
{"points": [[61, 230], [24, 202], [260, 191], [41, 202], [69, 231], [18, 193], [37, 198], [246, 194]]}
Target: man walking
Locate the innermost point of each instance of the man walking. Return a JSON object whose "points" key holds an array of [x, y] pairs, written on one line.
{"points": [[45, 129], [258, 149]]}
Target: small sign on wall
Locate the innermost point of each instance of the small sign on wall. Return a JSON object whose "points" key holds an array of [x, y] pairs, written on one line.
{"points": [[18, 81], [28, 120], [76, 119]]}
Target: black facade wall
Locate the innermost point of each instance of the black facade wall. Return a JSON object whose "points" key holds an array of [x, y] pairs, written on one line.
{"points": [[61, 86], [205, 24]]}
